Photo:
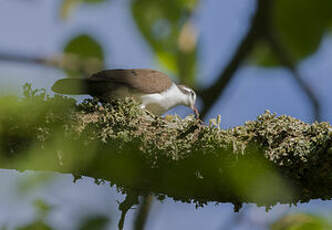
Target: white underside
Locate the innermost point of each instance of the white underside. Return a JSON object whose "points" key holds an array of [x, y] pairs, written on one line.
{"points": [[157, 103]]}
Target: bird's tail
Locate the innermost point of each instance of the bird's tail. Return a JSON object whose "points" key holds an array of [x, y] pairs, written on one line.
{"points": [[71, 86]]}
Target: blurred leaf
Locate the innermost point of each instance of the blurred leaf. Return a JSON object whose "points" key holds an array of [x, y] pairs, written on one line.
{"points": [[43, 208], [38, 225], [301, 221], [93, 1], [254, 178], [20, 120], [167, 60], [34, 181], [83, 54], [262, 55], [168, 30], [95, 223], [68, 6], [301, 26]]}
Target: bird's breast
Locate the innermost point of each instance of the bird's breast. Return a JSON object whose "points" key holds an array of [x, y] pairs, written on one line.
{"points": [[159, 103]]}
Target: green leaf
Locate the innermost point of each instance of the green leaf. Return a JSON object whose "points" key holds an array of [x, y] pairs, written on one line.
{"points": [[93, 1], [38, 225], [301, 221], [303, 23], [301, 26], [262, 55], [167, 60], [68, 6], [95, 222], [169, 32], [83, 54]]}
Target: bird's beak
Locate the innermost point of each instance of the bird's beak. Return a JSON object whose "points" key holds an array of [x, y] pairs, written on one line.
{"points": [[195, 111]]}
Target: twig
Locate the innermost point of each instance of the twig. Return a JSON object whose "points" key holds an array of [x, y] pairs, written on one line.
{"points": [[213, 93], [65, 61], [235, 220], [22, 58], [128, 203], [143, 212], [287, 60]]}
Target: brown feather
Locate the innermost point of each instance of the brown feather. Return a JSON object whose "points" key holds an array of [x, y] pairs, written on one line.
{"points": [[143, 80]]}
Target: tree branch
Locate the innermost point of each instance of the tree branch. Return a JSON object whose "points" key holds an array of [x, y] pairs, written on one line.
{"points": [[67, 62], [130, 200], [262, 27], [214, 92], [143, 212], [22, 59], [286, 59], [273, 159]]}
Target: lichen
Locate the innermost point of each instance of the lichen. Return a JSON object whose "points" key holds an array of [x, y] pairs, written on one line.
{"points": [[183, 158]]}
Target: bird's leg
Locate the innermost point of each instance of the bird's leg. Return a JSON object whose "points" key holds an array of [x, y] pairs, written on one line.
{"points": [[196, 112]]}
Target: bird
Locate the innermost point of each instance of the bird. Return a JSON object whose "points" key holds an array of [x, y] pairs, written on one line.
{"points": [[153, 90]]}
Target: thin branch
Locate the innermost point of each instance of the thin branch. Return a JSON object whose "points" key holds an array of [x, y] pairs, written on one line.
{"points": [[22, 58], [235, 220], [143, 212], [130, 200], [212, 94], [287, 60], [66, 61]]}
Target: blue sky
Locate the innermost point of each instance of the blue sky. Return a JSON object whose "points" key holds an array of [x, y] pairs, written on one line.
{"points": [[33, 28]]}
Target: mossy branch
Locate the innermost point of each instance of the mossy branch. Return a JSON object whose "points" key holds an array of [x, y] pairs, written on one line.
{"points": [[269, 160]]}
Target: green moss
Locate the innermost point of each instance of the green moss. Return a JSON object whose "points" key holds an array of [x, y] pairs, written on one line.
{"points": [[272, 159]]}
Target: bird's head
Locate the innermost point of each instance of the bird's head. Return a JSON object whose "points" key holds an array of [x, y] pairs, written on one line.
{"points": [[189, 97]]}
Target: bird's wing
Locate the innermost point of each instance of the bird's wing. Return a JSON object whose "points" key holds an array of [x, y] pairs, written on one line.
{"points": [[136, 79]]}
